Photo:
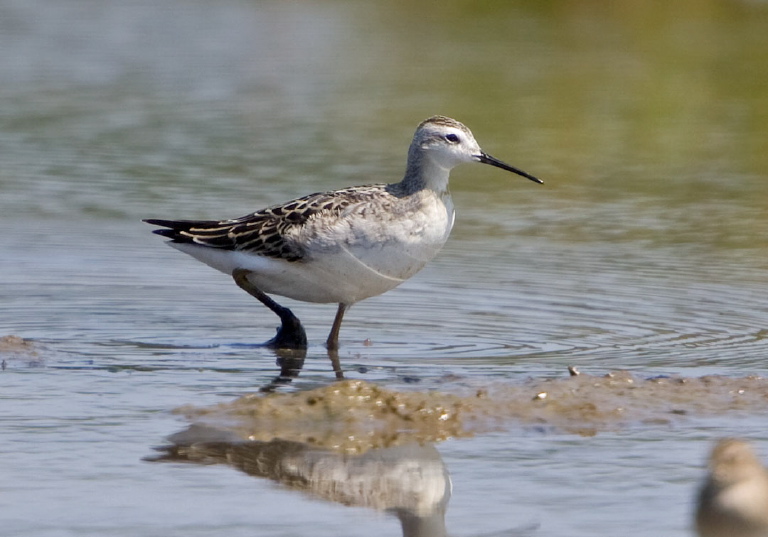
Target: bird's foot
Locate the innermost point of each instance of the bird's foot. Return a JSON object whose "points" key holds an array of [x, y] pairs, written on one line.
{"points": [[290, 335]]}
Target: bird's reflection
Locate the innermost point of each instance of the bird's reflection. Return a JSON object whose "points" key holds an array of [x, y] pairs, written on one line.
{"points": [[291, 362], [409, 481]]}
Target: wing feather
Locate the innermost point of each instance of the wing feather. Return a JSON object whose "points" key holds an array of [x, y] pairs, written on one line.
{"points": [[266, 232]]}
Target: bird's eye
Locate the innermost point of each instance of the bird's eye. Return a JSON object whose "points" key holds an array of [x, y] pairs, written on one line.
{"points": [[453, 138]]}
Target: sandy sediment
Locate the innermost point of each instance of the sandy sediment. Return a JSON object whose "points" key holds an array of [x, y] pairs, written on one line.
{"points": [[13, 348], [355, 416]]}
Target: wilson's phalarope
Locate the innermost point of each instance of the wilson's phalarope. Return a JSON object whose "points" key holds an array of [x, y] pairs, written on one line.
{"points": [[341, 246], [733, 501]]}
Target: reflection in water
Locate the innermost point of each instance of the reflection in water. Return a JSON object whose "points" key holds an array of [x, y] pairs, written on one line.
{"points": [[291, 361], [408, 481]]}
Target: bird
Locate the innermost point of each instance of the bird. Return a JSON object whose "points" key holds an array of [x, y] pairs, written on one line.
{"points": [[733, 501], [340, 246]]}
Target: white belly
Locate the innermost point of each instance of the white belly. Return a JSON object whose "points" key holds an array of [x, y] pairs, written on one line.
{"points": [[347, 259]]}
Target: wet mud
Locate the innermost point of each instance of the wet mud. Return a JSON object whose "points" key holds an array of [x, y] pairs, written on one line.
{"points": [[15, 344], [356, 443], [16, 349], [354, 416]]}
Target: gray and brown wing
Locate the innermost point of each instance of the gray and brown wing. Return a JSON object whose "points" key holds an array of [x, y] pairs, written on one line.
{"points": [[263, 232], [258, 233]]}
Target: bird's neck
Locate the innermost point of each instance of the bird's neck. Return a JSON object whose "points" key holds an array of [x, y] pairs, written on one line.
{"points": [[422, 173]]}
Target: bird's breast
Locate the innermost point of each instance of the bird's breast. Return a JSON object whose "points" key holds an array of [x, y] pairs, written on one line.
{"points": [[372, 249]]}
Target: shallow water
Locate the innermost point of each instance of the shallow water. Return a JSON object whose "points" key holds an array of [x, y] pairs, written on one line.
{"points": [[645, 250]]}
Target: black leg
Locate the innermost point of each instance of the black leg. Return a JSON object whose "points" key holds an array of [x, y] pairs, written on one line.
{"points": [[291, 334], [333, 338]]}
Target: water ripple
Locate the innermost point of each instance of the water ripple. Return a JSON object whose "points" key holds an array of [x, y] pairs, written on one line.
{"points": [[503, 300]]}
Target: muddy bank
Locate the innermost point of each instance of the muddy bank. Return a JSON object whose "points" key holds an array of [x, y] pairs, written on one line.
{"points": [[355, 416], [14, 344], [14, 348]]}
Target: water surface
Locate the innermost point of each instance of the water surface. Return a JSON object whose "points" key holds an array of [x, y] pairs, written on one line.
{"points": [[645, 249]]}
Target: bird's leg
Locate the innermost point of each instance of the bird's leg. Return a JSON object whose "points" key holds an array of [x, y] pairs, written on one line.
{"points": [[336, 364], [291, 334], [333, 338]]}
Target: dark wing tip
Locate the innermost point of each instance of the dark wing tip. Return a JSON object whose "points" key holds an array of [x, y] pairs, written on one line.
{"points": [[169, 233], [174, 228], [212, 233], [173, 224]]}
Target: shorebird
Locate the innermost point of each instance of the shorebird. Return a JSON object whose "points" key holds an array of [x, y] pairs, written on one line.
{"points": [[733, 502], [341, 246]]}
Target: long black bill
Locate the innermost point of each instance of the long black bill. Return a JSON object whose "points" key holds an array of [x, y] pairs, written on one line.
{"points": [[485, 158]]}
